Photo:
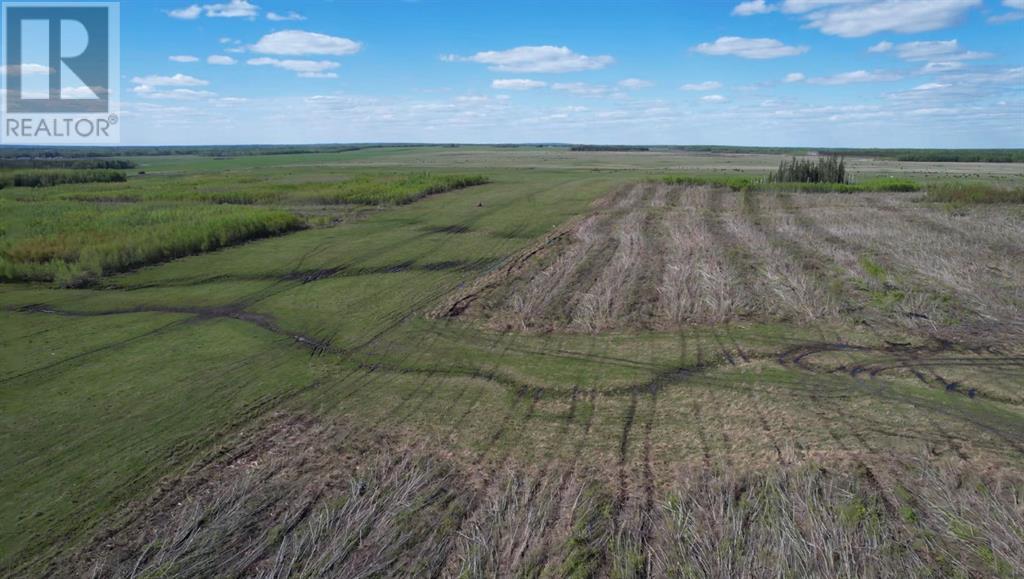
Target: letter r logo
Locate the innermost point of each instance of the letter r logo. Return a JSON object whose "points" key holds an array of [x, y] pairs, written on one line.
{"points": [[57, 58]]}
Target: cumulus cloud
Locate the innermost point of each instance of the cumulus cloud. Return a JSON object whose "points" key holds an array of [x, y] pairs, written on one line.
{"points": [[934, 67], [182, 58], [232, 9], [173, 94], [701, 86], [713, 98], [883, 46], [175, 80], [855, 77], [170, 87], [751, 7], [545, 59], [635, 83], [930, 86], [755, 48], [188, 13], [27, 69], [291, 15], [945, 50], [517, 84], [582, 88], [298, 42], [304, 68], [794, 77], [857, 18], [220, 59]]}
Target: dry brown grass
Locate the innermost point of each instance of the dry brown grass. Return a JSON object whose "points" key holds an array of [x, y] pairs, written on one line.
{"points": [[313, 506], [662, 257]]}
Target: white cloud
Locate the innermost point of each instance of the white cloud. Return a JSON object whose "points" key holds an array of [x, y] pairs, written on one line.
{"points": [[517, 84], [1016, 4], [933, 67], [883, 46], [794, 77], [756, 48], [699, 86], [713, 98], [182, 58], [188, 13], [149, 87], [855, 77], [232, 9], [290, 16], [945, 50], [1004, 76], [635, 83], [1007, 17], [173, 94], [176, 80], [548, 59], [931, 86], [751, 7], [582, 88], [304, 68], [802, 6], [220, 59], [856, 18], [28, 69], [297, 42]]}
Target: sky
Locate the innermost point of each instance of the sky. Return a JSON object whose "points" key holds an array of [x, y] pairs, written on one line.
{"points": [[829, 73]]}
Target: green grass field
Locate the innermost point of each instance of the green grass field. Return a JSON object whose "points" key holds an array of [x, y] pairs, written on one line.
{"points": [[302, 396]]}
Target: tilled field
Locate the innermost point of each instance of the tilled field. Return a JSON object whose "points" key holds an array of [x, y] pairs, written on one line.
{"points": [[660, 257]]}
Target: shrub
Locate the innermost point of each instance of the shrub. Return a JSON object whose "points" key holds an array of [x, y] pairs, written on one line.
{"points": [[828, 169]]}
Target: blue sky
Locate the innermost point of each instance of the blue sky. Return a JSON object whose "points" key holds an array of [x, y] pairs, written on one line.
{"points": [[871, 73]]}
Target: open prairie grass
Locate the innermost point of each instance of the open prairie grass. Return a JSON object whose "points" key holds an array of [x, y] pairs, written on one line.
{"points": [[280, 187]]}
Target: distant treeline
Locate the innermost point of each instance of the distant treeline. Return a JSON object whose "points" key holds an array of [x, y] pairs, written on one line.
{"points": [[909, 155], [621, 148], [66, 164], [49, 178]]}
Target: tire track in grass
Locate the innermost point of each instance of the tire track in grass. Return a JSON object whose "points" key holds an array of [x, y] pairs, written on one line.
{"points": [[702, 437]]}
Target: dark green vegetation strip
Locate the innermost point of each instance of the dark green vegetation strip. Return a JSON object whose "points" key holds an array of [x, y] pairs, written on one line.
{"points": [[738, 183], [973, 193], [52, 177]]}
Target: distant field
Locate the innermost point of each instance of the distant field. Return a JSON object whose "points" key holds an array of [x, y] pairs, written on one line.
{"points": [[573, 369]]}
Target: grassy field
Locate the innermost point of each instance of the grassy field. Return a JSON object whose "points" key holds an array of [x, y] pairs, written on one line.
{"points": [[573, 369]]}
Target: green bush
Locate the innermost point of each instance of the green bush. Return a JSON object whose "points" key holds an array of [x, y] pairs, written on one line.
{"points": [[828, 169]]}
